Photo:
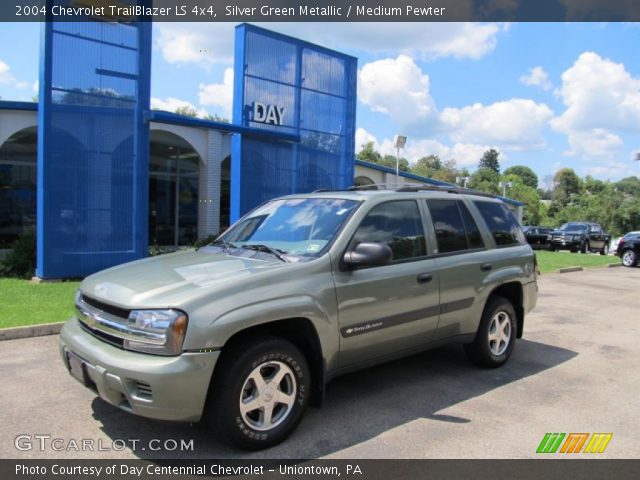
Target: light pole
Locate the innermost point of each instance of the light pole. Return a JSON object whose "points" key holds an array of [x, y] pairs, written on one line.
{"points": [[399, 141], [463, 181], [504, 186]]}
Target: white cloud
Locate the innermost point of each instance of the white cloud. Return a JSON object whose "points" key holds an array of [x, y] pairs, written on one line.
{"points": [[465, 154], [516, 124], [171, 104], [398, 88], [599, 93], [218, 94], [537, 77], [595, 142], [202, 44], [36, 86], [602, 98], [199, 43], [6, 78]]}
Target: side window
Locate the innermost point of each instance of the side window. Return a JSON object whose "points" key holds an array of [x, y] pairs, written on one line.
{"points": [[474, 237], [503, 225], [454, 226], [398, 224]]}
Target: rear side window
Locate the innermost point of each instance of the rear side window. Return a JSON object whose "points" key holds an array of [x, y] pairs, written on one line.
{"points": [[455, 228], [503, 225], [398, 224]]}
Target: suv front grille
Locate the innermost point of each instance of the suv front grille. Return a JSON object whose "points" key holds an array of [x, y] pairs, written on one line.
{"points": [[105, 307], [105, 337]]}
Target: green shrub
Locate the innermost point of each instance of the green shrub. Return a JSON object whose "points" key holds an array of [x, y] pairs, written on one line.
{"points": [[21, 260]]}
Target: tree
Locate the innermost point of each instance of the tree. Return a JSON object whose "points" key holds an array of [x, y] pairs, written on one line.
{"points": [[427, 166], [490, 161], [526, 175], [369, 153], [187, 111], [534, 210], [485, 180], [216, 118], [566, 183]]}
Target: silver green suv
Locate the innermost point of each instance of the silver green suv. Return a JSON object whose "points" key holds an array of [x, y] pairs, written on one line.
{"points": [[246, 332]]}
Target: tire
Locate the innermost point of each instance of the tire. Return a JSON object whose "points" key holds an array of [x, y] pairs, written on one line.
{"points": [[629, 258], [585, 247], [605, 249], [491, 352], [552, 249], [245, 380]]}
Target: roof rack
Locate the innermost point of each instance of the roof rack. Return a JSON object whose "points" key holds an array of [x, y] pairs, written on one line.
{"points": [[420, 187]]}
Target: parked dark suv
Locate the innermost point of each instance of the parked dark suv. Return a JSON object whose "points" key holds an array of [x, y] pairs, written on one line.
{"points": [[628, 249], [245, 333], [582, 237]]}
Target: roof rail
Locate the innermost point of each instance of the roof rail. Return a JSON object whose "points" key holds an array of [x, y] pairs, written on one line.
{"points": [[420, 187]]}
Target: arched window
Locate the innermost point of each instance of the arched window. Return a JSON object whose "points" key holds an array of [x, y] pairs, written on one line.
{"points": [[18, 185]]}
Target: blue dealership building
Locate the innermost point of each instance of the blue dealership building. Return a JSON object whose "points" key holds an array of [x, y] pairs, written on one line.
{"points": [[101, 177]]}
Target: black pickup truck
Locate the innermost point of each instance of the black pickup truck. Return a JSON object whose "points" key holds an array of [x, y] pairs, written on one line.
{"points": [[582, 237]]}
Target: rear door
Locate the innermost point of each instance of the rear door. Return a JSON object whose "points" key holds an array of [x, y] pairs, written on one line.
{"points": [[596, 236], [387, 309], [463, 263]]}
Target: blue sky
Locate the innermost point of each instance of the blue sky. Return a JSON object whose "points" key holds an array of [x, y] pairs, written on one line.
{"points": [[545, 95]]}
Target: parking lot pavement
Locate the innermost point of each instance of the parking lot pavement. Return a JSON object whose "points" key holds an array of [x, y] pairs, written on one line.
{"points": [[576, 370]]}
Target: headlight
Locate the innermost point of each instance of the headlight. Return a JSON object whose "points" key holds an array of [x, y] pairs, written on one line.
{"points": [[157, 331]]}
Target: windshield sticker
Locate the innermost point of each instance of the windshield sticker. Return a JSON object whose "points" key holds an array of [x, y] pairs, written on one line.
{"points": [[313, 247]]}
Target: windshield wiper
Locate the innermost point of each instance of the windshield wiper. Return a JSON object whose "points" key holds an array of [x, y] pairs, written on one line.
{"points": [[267, 249], [225, 245]]}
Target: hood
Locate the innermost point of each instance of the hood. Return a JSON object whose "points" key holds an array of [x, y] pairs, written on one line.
{"points": [[166, 280]]}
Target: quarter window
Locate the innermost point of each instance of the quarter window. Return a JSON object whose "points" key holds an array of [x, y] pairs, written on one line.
{"points": [[455, 228], [398, 224], [503, 225]]}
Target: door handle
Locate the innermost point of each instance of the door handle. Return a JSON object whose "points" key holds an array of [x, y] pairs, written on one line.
{"points": [[485, 267], [425, 278]]}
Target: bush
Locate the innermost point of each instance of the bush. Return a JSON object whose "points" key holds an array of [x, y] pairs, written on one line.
{"points": [[21, 260]]}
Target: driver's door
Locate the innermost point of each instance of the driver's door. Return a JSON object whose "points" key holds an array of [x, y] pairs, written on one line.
{"points": [[389, 308]]}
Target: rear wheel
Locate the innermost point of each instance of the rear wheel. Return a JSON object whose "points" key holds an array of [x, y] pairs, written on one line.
{"points": [[259, 395], [496, 334], [629, 258]]}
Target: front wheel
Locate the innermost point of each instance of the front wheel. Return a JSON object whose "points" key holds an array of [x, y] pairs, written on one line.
{"points": [[585, 247], [629, 258], [605, 249], [260, 393], [496, 334]]}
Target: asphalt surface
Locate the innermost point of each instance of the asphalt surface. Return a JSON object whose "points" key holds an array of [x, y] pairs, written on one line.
{"points": [[576, 370]]}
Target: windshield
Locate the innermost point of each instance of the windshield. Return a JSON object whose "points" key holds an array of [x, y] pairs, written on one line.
{"points": [[300, 227], [573, 227]]}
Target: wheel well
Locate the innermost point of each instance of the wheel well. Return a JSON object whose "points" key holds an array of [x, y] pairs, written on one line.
{"points": [[512, 291], [300, 332]]}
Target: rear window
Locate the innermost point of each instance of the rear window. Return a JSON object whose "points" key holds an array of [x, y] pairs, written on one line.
{"points": [[501, 223], [455, 228]]}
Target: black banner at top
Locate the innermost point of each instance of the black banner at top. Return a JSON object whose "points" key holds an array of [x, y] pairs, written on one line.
{"points": [[322, 10]]}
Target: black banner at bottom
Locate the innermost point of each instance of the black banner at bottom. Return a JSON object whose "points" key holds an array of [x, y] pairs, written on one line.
{"points": [[542, 469]]}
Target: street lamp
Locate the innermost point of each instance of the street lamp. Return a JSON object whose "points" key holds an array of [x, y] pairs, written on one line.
{"points": [[399, 141], [504, 186], [463, 181]]}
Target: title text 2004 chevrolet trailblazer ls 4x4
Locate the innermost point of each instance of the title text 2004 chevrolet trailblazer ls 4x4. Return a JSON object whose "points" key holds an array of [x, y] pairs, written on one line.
{"points": [[245, 332]]}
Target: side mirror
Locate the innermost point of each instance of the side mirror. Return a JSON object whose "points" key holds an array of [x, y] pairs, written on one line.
{"points": [[368, 255]]}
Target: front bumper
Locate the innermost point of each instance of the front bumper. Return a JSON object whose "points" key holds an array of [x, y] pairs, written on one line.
{"points": [[565, 244], [165, 388]]}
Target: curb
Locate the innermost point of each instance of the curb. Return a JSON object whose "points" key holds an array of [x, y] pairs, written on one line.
{"points": [[613, 265], [569, 269], [30, 331]]}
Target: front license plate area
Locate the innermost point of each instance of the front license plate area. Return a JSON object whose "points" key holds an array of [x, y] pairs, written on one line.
{"points": [[77, 368]]}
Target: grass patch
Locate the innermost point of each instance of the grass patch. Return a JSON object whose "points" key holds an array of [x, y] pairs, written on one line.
{"points": [[26, 303], [551, 261]]}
